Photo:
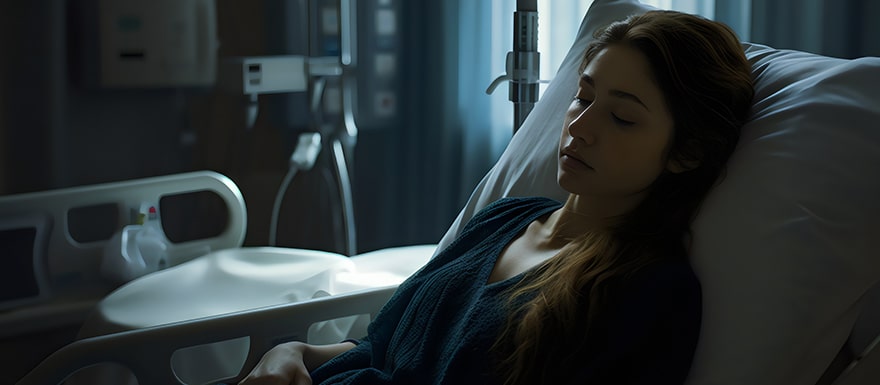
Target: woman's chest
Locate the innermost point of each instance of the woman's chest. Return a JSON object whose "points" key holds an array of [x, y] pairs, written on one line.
{"points": [[523, 253]]}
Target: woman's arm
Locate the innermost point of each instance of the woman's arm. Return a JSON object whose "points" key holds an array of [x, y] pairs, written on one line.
{"points": [[291, 362], [316, 355]]}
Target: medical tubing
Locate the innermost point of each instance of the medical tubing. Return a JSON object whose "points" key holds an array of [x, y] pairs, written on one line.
{"points": [[276, 207], [308, 146], [345, 195], [317, 94]]}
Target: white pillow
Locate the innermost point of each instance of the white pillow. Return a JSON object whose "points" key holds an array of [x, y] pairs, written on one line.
{"points": [[785, 245]]}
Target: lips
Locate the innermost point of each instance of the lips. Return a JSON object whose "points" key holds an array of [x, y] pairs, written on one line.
{"points": [[569, 155]]}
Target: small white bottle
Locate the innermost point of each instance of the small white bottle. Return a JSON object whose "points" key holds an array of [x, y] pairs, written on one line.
{"points": [[137, 249]]}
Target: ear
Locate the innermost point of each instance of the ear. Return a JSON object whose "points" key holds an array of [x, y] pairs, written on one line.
{"points": [[677, 166]]}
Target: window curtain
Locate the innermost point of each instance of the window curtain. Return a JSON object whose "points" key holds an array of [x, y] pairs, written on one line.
{"points": [[485, 36], [840, 28]]}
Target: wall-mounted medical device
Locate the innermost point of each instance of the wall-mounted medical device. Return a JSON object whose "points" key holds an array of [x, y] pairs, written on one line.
{"points": [[256, 75], [157, 43], [252, 76]]}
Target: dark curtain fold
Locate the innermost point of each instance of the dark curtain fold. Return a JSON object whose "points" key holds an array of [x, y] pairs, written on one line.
{"points": [[425, 174], [839, 28], [451, 132]]}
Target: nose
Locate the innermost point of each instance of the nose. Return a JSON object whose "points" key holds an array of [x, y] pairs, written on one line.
{"points": [[581, 127]]}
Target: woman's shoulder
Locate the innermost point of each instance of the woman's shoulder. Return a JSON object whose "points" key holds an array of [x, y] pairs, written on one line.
{"points": [[521, 202], [515, 206], [508, 210], [500, 218]]}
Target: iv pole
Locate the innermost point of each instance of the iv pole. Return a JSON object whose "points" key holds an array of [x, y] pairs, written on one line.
{"points": [[347, 57], [526, 60], [344, 131], [523, 63]]}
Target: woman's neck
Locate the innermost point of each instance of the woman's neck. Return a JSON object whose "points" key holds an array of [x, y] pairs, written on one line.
{"points": [[582, 214]]}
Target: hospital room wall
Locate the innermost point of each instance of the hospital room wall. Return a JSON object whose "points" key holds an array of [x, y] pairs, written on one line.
{"points": [[25, 163], [58, 131]]}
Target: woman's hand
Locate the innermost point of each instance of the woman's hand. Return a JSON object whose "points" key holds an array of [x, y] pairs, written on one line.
{"points": [[282, 365], [290, 363]]}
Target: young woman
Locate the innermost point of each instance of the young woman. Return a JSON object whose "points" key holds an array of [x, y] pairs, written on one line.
{"points": [[597, 290]]}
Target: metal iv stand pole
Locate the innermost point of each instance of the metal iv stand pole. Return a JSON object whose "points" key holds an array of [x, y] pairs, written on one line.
{"points": [[335, 137], [523, 63], [344, 131], [348, 29]]}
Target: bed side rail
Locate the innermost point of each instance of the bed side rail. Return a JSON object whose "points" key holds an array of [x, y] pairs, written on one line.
{"points": [[147, 352], [62, 262]]}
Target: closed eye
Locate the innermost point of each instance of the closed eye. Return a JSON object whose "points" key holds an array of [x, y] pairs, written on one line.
{"points": [[620, 121], [582, 102]]}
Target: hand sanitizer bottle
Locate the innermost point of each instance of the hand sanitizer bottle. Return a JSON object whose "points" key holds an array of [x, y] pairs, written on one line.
{"points": [[137, 249]]}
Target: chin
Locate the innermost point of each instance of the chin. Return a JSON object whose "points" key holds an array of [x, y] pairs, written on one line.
{"points": [[569, 182]]}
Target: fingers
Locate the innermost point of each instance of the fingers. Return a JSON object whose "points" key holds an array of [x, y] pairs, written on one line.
{"points": [[298, 378], [281, 365]]}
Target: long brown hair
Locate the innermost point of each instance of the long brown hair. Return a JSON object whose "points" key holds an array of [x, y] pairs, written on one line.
{"points": [[700, 67]]}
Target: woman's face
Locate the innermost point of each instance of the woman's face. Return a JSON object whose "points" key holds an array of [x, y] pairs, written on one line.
{"points": [[617, 129]]}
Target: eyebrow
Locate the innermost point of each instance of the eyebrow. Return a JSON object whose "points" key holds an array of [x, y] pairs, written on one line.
{"points": [[618, 93]]}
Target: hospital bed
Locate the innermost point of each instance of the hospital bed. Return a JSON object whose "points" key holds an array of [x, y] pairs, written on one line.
{"points": [[205, 276], [784, 247]]}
